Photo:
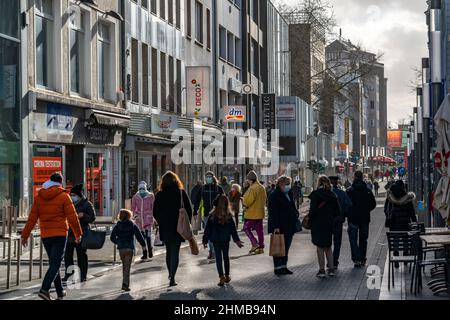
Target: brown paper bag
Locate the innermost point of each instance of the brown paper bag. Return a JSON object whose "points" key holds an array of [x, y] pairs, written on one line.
{"points": [[194, 246], [277, 246]]}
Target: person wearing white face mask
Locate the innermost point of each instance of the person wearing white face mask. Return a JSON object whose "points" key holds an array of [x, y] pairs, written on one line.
{"points": [[86, 215], [283, 216], [208, 194]]}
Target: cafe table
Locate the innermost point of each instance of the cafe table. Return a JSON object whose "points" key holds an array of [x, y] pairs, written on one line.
{"points": [[444, 240]]}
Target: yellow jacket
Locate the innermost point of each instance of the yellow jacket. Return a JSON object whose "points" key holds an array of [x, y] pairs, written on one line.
{"points": [[255, 201]]}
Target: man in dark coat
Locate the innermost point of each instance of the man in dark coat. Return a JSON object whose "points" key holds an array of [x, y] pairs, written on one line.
{"points": [[86, 215], [364, 202], [283, 216], [208, 194], [297, 193], [346, 204]]}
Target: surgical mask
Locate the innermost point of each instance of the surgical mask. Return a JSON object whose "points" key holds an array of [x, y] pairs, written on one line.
{"points": [[209, 180], [75, 198], [287, 188], [142, 192]]}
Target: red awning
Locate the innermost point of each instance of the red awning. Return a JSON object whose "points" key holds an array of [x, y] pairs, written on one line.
{"points": [[384, 159]]}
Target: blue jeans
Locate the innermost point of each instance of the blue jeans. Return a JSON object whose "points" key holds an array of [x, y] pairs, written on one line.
{"points": [[55, 247], [281, 262], [337, 241], [358, 235], [210, 244]]}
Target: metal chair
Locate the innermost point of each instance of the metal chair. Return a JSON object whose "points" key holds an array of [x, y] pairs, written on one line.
{"points": [[399, 242]]}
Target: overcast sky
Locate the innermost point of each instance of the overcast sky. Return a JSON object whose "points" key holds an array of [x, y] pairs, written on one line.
{"points": [[396, 28]]}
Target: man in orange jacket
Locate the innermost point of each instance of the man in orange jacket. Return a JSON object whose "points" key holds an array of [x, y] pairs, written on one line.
{"points": [[55, 211]]}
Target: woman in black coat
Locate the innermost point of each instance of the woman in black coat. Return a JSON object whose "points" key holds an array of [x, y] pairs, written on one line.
{"points": [[399, 207], [324, 208], [166, 210], [86, 215], [283, 216]]}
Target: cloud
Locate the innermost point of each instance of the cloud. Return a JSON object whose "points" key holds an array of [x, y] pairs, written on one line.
{"points": [[395, 28]]}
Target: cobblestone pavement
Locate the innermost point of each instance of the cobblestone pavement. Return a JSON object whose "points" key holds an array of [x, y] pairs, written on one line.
{"points": [[252, 276]]}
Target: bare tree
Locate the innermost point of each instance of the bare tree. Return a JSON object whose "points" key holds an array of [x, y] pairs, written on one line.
{"points": [[417, 80]]}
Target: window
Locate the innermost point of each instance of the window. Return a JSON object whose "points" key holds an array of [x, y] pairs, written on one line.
{"points": [[222, 43], [188, 19], [372, 123], [163, 81], [103, 55], [254, 10], [44, 43], [178, 14], [255, 58], [145, 74], [155, 78], [178, 86], [134, 71], [9, 24], [153, 8], [238, 52], [171, 85], [144, 4], [199, 22], [208, 28], [170, 11], [162, 9], [77, 59], [372, 105], [230, 45]]}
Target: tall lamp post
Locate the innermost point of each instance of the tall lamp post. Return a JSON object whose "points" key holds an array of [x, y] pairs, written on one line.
{"points": [[426, 110]]}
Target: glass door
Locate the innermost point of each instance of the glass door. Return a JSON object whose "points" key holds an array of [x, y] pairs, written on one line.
{"points": [[98, 181]]}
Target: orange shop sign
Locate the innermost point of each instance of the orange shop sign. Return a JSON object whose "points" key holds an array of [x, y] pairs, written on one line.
{"points": [[43, 167]]}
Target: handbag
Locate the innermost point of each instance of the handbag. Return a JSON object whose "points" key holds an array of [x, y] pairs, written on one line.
{"points": [[306, 222], [157, 242], [93, 239], [184, 227], [277, 246], [194, 246]]}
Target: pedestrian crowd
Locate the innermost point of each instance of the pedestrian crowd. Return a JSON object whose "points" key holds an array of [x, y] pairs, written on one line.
{"points": [[65, 219]]}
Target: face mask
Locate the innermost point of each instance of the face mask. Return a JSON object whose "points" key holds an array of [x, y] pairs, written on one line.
{"points": [[209, 180], [142, 192], [75, 199], [287, 188]]}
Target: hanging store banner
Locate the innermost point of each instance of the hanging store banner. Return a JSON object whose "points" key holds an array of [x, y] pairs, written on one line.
{"points": [[234, 113], [268, 108], [164, 124], [197, 96]]}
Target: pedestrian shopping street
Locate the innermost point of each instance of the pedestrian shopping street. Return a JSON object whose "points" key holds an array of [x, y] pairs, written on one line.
{"points": [[252, 276]]}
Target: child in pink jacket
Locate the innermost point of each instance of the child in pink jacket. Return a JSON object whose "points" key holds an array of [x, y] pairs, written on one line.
{"points": [[142, 207]]}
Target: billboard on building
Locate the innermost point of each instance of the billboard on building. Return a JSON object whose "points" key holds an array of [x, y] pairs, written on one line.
{"points": [[394, 139], [164, 124], [197, 96], [286, 111]]}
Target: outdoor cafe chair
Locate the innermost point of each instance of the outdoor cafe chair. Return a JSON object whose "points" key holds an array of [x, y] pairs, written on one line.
{"points": [[401, 242]]}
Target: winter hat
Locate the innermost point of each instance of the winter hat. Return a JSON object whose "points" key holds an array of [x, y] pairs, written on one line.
{"points": [[252, 176], [142, 184], [78, 190], [209, 173]]}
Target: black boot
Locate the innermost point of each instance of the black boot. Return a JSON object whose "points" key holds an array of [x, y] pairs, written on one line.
{"points": [[144, 255], [150, 248]]}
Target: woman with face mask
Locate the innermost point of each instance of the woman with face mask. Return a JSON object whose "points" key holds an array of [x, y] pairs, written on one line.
{"points": [[86, 215], [283, 217], [142, 208]]}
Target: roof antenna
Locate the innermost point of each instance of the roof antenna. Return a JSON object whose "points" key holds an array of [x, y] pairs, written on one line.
{"points": [[340, 33]]}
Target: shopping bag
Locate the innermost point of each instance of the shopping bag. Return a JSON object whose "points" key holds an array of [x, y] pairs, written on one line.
{"points": [[93, 239], [277, 246], [196, 223], [194, 246], [184, 227], [158, 242]]}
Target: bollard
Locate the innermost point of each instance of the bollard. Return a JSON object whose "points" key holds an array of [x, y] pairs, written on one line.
{"points": [[41, 260], [19, 246], [30, 269], [8, 268]]}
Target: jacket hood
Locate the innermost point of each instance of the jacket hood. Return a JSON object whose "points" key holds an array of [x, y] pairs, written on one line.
{"points": [[52, 192], [359, 185], [323, 195], [126, 225], [402, 200]]}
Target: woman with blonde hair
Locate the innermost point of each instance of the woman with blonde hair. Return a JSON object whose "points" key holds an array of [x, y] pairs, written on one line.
{"points": [[168, 201], [324, 208], [235, 197]]}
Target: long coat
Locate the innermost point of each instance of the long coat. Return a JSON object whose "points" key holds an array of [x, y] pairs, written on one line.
{"points": [[85, 206], [235, 201], [283, 214], [324, 209], [166, 210], [143, 211]]}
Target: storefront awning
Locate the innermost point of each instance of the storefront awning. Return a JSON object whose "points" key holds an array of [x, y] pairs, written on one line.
{"points": [[109, 119]]}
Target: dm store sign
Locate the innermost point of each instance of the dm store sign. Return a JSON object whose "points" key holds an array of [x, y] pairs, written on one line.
{"points": [[234, 113], [163, 124]]}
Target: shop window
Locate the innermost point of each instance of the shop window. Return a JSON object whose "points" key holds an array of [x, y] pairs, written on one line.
{"points": [[44, 29]]}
